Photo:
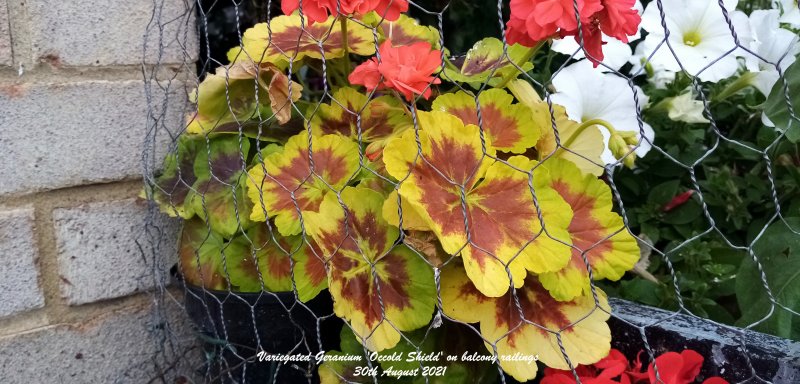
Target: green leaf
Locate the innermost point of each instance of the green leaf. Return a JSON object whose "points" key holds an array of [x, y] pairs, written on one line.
{"points": [[226, 208], [719, 269], [687, 213], [717, 312], [778, 250], [200, 255], [242, 272], [348, 343], [173, 185], [663, 193], [274, 257], [218, 196], [776, 107], [221, 157], [640, 290], [486, 56]]}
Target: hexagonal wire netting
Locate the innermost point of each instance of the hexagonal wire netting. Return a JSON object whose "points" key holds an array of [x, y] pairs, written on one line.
{"points": [[226, 313]]}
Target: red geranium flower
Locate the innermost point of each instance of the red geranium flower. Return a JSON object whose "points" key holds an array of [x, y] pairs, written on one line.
{"points": [[673, 368], [407, 69], [313, 10], [618, 19], [592, 38], [542, 19], [532, 21], [602, 372], [679, 368], [318, 10], [676, 368]]}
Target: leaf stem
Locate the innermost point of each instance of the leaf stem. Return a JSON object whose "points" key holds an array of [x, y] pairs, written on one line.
{"points": [[586, 124], [343, 23], [733, 88], [511, 75]]}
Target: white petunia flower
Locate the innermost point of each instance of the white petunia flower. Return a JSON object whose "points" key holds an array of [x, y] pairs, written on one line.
{"points": [[590, 94], [616, 53], [773, 46], [699, 35], [685, 108], [661, 77], [789, 10]]}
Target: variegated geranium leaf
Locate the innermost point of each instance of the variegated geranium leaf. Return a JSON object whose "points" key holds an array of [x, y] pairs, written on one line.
{"points": [[381, 117], [403, 31], [480, 208], [284, 187], [218, 194], [529, 321], [200, 256], [485, 62], [174, 183], [595, 230], [379, 285], [240, 95], [287, 38], [278, 260], [509, 126]]}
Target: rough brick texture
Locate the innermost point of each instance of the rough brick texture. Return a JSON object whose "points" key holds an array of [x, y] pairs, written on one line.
{"points": [[113, 348], [111, 32], [98, 255], [58, 135], [5, 35], [19, 285]]}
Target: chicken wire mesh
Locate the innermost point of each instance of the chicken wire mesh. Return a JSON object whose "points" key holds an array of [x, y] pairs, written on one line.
{"points": [[236, 155]]}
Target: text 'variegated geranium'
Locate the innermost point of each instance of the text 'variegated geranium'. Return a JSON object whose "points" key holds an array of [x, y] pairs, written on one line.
{"points": [[480, 208]]}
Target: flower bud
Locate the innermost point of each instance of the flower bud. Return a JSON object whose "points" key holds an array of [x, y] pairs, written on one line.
{"points": [[630, 160], [617, 145], [686, 109], [630, 137]]}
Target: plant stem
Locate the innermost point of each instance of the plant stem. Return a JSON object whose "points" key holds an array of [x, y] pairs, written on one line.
{"points": [[586, 124], [528, 55], [343, 23], [733, 88]]}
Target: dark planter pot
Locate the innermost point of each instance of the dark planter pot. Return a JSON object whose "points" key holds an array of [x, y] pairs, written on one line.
{"points": [[235, 327]]}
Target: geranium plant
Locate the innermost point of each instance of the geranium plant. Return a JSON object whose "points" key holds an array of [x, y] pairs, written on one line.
{"points": [[344, 148]]}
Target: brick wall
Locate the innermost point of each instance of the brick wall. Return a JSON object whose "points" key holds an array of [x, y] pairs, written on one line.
{"points": [[75, 300]]}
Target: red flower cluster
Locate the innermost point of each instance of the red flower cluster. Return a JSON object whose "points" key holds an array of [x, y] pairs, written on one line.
{"points": [[317, 10], [673, 368], [407, 69], [536, 20]]}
